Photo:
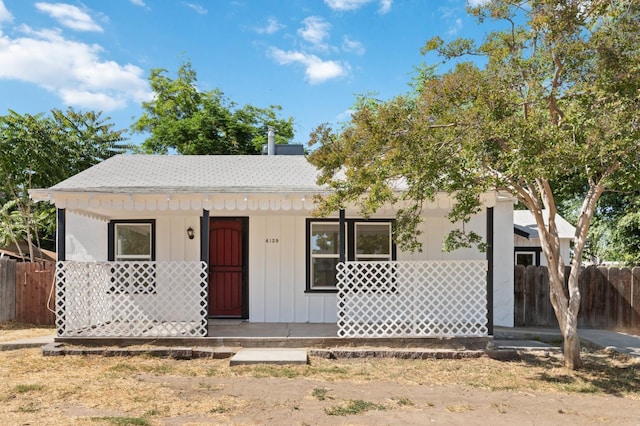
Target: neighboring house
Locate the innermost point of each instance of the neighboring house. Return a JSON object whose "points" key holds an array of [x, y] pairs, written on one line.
{"points": [[157, 245], [13, 252], [526, 240]]}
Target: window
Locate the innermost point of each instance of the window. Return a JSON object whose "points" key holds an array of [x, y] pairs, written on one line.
{"points": [[132, 245], [525, 258], [325, 254], [364, 241], [372, 241], [133, 241]]}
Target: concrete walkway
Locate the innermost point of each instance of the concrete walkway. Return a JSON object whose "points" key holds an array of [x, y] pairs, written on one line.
{"points": [[504, 337]]}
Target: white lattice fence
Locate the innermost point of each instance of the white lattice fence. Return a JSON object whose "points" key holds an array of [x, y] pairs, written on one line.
{"points": [[131, 299], [412, 299]]}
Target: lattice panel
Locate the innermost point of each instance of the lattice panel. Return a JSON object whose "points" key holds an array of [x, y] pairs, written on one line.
{"points": [[412, 299], [131, 299]]}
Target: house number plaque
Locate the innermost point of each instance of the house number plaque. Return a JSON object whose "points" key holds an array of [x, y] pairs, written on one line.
{"points": [[272, 240]]}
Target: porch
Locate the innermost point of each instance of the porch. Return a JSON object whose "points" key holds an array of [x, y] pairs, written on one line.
{"points": [[226, 333], [375, 301]]}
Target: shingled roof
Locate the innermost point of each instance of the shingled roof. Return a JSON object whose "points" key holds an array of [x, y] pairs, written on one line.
{"points": [[194, 174], [524, 221]]}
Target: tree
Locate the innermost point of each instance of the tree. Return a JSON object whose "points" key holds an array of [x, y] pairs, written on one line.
{"points": [[191, 121], [38, 151], [555, 100]]}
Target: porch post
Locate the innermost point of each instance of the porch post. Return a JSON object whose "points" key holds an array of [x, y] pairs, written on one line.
{"points": [[204, 256], [204, 237], [60, 235], [342, 236], [490, 271]]}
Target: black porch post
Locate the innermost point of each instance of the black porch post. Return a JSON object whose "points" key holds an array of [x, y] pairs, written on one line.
{"points": [[342, 236], [60, 235], [490, 270], [204, 256], [204, 237]]}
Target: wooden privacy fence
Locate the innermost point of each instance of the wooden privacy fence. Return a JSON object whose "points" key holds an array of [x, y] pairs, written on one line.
{"points": [[610, 297], [25, 289]]}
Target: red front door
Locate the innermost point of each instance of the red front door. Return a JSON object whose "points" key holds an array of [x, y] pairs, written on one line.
{"points": [[227, 257]]}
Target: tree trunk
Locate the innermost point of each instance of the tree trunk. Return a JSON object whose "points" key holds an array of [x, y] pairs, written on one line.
{"points": [[571, 349]]}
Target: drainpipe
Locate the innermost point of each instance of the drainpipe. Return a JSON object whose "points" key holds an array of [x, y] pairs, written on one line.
{"points": [[271, 141]]}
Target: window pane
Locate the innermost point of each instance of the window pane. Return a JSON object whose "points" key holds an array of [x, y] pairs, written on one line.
{"points": [[373, 238], [324, 272], [325, 238], [133, 239], [525, 259]]}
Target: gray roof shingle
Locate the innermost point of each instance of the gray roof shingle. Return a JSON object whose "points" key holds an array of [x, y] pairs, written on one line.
{"points": [[524, 221], [195, 174]]}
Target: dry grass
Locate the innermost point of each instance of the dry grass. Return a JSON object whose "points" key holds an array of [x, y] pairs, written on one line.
{"points": [[33, 384], [12, 330], [144, 390]]}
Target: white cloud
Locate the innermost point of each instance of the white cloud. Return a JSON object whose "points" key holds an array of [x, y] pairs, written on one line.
{"points": [[355, 46], [199, 9], [5, 15], [272, 27], [385, 6], [70, 16], [316, 70], [315, 31], [345, 115], [138, 2], [71, 70], [345, 5], [457, 26]]}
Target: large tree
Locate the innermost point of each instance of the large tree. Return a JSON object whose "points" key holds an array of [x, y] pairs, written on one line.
{"points": [[552, 99], [191, 121], [38, 151]]}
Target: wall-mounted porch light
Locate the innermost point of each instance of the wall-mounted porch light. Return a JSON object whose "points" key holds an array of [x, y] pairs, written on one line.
{"points": [[190, 233]]}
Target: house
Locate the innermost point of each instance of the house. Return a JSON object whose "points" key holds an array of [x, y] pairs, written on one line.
{"points": [[20, 252], [526, 240], [157, 245]]}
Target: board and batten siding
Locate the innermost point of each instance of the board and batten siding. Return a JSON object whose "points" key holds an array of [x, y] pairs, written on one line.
{"points": [[87, 237], [565, 247], [277, 273], [277, 256]]}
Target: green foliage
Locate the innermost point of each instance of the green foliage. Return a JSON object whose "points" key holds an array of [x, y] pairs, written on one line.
{"points": [[626, 239], [352, 407], [553, 110], [123, 421], [182, 117], [556, 103], [38, 151]]}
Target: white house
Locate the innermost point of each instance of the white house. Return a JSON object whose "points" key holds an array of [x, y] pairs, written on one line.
{"points": [[526, 240], [156, 245]]}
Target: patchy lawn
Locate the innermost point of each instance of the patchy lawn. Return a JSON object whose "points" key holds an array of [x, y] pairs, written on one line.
{"points": [[12, 330], [149, 391]]}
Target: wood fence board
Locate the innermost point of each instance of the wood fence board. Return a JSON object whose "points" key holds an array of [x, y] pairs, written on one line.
{"points": [[519, 294], [610, 297], [33, 286], [587, 300], [613, 303], [530, 295], [7, 290], [624, 287], [635, 299], [601, 284]]}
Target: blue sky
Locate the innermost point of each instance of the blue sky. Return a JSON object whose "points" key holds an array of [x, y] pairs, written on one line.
{"points": [[311, 57]]}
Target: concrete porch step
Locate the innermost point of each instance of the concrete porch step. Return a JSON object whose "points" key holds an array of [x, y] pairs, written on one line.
{"points": [[278, 356]]}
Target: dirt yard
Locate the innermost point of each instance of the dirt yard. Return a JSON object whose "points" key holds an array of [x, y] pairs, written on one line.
{"points": [[152, 391]]}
